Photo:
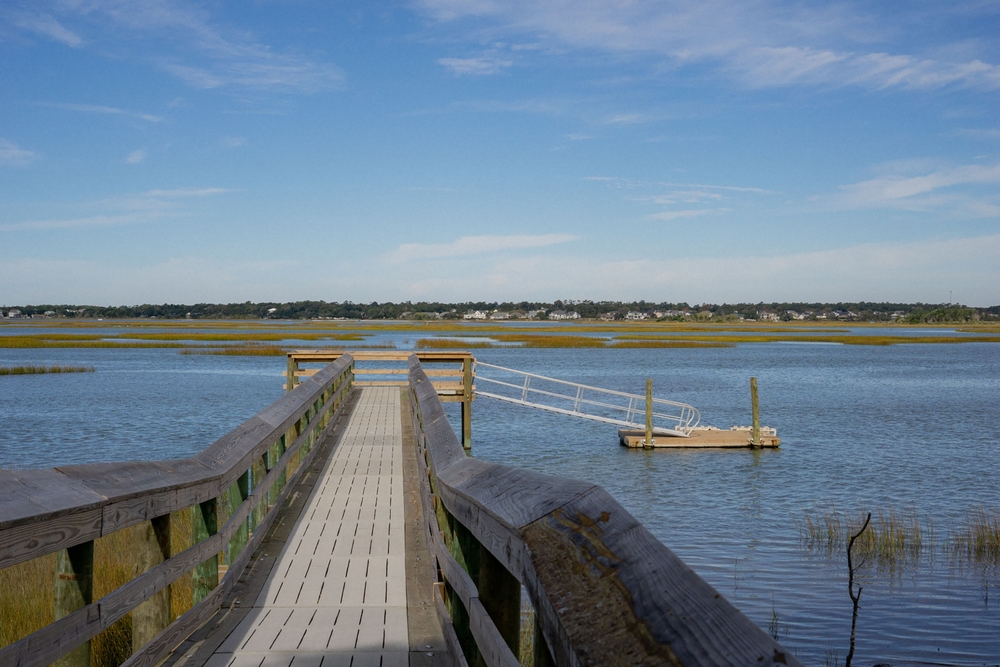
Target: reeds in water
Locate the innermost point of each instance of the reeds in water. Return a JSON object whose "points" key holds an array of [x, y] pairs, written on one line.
{"points": [[894, 538], [979, 540], [38, 370]]}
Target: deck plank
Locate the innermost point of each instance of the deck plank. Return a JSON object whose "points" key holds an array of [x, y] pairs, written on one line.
{"points": [[337, 591]]}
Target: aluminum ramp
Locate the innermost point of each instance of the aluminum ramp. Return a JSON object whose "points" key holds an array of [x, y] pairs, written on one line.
{"points": [[580, 400]]}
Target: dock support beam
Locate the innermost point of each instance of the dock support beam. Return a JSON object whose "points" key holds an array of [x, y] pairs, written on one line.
{"points": [[74, 590], [649, 413], [467, 404], [755, 438]]}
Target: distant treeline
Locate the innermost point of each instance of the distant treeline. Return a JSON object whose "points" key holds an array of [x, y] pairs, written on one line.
{"points": [[914, 313]]}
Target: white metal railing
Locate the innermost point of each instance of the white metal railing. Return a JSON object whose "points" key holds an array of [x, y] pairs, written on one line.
{"points": [[580, 400]]}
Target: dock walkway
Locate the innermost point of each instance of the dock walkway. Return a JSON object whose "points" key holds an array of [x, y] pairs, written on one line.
{"points": [[336, 594]]}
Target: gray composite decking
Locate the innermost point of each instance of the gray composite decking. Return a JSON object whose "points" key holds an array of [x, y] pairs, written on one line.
{"points": [[337, 592]]}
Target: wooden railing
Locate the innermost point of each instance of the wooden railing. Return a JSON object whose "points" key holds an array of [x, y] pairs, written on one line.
{"points": [[452, 373], [603, 589], [244, 475]]}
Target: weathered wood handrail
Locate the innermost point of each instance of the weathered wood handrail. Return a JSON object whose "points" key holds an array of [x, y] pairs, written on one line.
{"points": [[63, 510], [604, 590]]}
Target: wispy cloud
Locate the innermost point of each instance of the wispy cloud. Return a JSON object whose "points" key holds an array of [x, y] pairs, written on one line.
{"points": [[12, 155], [764, 44], [183, 40], [688, 213], [475, 66], [135, 157], [977, 133], [475, 245], [101, 109], [119, 211], [944, 186], [44, 24], [234, 142]]}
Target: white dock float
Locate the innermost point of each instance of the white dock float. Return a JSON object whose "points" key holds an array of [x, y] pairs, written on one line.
{"points": [[336, 595]]}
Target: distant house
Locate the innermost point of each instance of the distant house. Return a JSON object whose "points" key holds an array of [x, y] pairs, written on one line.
{"points": [[636, 315], [14, 314], [532, 314], [767, 316], [563, 315], [475, 315], [499, 315], [609, 317]]}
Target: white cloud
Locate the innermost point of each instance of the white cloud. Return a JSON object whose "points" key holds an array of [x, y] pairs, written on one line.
{"points": [[182, 34], [920, 192], [770, 43], [12, 155], [234, 142], [130, 210], [689, 213], [101, 109], [43, 24], [475, 66], [136, 156], [475, 245]]}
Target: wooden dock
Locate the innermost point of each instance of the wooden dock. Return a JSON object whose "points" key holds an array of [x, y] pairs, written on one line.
{"points": [[351, 527], [703, 437]]}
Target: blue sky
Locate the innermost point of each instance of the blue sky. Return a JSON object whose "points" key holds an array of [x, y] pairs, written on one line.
{"points": [[710, 151]]}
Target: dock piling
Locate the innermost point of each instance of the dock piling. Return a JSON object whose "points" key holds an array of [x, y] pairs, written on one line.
{"points": [[755, 437], [649, 412]]}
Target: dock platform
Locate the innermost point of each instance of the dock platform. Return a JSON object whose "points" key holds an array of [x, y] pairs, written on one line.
{"points": [[702, 437]]}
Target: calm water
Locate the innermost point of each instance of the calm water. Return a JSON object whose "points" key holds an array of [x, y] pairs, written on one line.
{"points": [[911, 426]]}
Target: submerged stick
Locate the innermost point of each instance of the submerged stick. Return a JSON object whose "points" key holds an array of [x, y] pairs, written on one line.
{"points": [[856, 599]]}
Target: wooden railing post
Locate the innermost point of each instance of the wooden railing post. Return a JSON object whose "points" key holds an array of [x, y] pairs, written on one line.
{"points": [[259, 471], [290, 379], [204, 524], [466, 551], [236, 494], [500, 593], [276, 452], [74, 590], [152, 548], [467, 404]]}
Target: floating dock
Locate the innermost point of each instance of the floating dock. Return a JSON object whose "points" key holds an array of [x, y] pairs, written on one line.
{"points": [[702, 437]]}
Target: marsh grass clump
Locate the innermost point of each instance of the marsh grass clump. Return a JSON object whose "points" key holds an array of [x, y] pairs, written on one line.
{"points": [[453, 344], [978, 542], [894, 538], [40, 370], [245, 349]]}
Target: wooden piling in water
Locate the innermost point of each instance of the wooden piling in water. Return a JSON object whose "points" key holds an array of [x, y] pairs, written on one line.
{"points": [[755, 438], [649, 412]]}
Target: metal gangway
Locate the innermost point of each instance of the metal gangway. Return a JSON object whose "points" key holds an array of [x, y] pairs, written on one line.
{"points": [[580, 400]]}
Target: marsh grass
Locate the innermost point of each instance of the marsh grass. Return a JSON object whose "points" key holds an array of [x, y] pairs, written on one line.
{"points": [[27, 590], [978, 542], [41, 370], [453, 344], [639, 344], [247, 349], [894, 539]]}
